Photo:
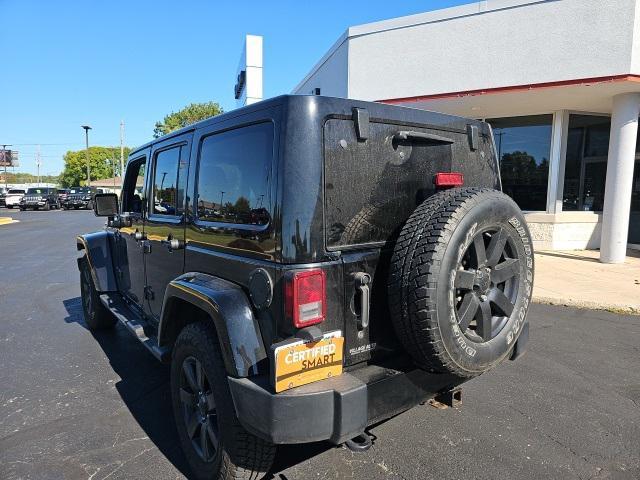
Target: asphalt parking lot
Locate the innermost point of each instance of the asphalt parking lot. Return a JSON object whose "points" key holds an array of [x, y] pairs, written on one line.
{"points": [[77, 405]]}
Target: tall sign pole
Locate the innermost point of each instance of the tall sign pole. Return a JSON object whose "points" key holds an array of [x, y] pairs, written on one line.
{"points": [[4, 161], [86, 137], [121, 149], [248, 88]]}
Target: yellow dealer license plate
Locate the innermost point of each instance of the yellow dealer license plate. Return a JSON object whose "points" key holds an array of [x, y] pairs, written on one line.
{"points": [[299, 363]]}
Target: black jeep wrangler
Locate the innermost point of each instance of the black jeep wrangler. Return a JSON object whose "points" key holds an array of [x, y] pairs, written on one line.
{"points": [[310, 266], [40, 197], [79, 197]]}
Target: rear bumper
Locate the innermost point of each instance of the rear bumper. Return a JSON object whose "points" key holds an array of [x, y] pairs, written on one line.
{"points": [[335, 409]]}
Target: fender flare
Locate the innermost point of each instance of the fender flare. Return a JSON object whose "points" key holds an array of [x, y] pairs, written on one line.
{"points": [[97, 247], [227, 305]]}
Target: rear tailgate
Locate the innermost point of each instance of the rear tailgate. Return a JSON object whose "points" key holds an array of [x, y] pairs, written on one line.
{"points": [[372, 185]]}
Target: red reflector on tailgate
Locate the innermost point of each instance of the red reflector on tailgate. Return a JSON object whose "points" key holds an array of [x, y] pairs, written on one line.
{"points": [[305, 297], [453, 179]]}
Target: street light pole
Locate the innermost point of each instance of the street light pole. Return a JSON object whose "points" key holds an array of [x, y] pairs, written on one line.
{"points": [[38, 163], [86, 136]]}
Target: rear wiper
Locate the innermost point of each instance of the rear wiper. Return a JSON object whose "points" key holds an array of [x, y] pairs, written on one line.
{"points": [[420, 137]]}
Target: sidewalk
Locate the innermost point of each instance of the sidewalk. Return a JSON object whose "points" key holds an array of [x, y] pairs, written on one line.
{"points": [[577, 278]]}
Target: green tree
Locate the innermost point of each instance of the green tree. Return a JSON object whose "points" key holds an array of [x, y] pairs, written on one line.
{"points": [[104, 162], [242, 205], [21, 177], [192, 113]]}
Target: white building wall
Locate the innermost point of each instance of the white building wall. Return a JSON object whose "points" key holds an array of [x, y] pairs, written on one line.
{"points": [[491, 44], [331, 74], [635, 51]]}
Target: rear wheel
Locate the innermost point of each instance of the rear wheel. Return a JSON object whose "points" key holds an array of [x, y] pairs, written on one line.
{"points": [[95, 313], [461, 280], [215, 443]]}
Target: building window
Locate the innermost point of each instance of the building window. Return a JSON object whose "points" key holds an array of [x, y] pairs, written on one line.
{"points": [[524, 144], [586, 163]]}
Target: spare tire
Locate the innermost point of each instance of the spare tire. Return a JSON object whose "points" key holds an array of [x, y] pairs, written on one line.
{"points": [[461, 280]]}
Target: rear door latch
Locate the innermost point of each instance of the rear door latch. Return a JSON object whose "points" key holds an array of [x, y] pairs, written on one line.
{"points": [[362, 281]]}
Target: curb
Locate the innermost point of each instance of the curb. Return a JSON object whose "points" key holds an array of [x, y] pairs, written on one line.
{"points": [[587, 305], [7, 220]]}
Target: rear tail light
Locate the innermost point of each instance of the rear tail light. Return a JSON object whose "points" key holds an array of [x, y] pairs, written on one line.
{"points": [[305, 297], [448, 180]]}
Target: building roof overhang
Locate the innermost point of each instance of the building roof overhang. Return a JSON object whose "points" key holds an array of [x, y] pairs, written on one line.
{"points": [[592, 95]]}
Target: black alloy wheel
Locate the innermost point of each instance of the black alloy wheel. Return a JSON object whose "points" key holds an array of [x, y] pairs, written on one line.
{"points": [[461, 280], [486, 284], [199, 409], [86, 290]]}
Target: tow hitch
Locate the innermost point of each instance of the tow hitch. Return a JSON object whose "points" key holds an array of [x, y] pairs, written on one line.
{"points": [[361, 443], [451, 398]]}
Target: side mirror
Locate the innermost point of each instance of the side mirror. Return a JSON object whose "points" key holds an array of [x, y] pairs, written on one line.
{"points": [[105, 204]]}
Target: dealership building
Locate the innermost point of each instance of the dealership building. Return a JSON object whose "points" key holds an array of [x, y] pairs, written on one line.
{"points": [[558, 80]]}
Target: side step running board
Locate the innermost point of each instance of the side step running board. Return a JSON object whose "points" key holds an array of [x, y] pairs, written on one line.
{"points": [[116, 305]]}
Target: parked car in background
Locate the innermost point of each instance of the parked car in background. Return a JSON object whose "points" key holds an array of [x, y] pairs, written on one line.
{"points": [[13, 197], [79, 197], [63, 193], [40, 197], [3, 194]]}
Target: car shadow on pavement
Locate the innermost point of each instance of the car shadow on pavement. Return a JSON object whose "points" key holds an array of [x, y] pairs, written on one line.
{"points": [[143, 385]]}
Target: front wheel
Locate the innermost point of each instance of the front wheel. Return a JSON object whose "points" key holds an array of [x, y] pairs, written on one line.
{"points": [[95, 313], [215, 443]]}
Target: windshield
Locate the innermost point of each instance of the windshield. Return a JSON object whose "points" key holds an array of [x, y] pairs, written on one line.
{"points": [[79, 190], [37, 191], [16, 191]]}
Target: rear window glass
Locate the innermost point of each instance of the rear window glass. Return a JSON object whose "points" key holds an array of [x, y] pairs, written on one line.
{"points": [[233, 176]]}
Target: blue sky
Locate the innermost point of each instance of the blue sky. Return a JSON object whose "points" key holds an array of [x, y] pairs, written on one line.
{"points": [[67, 63]]}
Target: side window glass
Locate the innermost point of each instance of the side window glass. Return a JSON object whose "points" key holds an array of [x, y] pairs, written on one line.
{"points": [[233, 176], [164, 198], [133, 187]]}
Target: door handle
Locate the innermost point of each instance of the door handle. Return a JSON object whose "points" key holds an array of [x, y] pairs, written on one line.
{"points": [[362, 281], [172, 244]]}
